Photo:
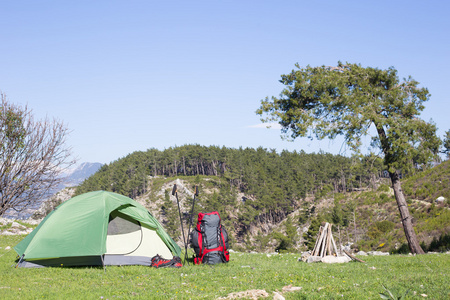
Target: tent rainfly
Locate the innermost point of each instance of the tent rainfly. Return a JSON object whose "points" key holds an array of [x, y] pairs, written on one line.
{"points": [[97, 228]]}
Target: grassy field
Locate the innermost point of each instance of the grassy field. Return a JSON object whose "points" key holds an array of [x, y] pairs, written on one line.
{"points": [[425, 276]]}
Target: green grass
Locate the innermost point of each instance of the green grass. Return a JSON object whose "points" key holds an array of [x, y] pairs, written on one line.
{"points": [[425, 274]]}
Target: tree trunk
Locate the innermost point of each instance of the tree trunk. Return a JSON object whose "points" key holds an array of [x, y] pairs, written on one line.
{"points": [[176, 168], [214, 168], [410, 234]]}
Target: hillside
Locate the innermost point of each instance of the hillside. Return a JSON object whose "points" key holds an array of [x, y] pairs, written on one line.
{"points": [[271, 201], [369, 220], [429, 184]]}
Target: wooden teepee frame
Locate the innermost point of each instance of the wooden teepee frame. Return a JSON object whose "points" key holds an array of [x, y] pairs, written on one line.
{"points": [[325, 244]]}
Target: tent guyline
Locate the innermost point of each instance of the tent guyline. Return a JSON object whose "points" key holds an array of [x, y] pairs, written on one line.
{"points": [[325, 244]]}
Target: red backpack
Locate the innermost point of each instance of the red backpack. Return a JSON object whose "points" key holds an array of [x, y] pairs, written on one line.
{"points": [[210, 240]]}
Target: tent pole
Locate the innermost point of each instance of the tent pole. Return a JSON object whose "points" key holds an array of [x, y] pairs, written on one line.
{"points": [[103, 263], [20, 260]]}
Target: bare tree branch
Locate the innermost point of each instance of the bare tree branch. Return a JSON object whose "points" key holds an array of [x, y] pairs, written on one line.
{"points": [[33, 156]]}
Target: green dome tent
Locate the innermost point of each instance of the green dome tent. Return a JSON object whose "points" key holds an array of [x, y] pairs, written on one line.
{"points": [[96, 228]]}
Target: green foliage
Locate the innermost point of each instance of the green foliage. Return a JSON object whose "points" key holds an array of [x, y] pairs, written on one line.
{"points": [[384, 198], [403, 249], [12, 126], [437, 218], [429, 184], [348, 100], [304, 216], [170, 211], [311, 235], [374, 233], [261, 241], [446, 143], [383, 188], [340, 215], [379, 229], [384, 226], [440, 245], [275, 181], [286, 241]]}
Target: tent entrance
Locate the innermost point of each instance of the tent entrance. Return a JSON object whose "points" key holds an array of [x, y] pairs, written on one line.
{"points": [[128, 241], [124, 234]]}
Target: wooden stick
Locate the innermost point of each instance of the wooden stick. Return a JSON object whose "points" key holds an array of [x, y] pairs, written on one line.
{"points": [[317, 240], [352, 257], [323, 244], [328, 241], [334, 245]]}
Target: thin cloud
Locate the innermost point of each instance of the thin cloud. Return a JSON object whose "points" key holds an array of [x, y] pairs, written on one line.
{"points": [[266, 125]]}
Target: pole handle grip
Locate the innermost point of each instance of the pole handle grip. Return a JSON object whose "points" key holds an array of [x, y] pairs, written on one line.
{"points": [[174, 190]]}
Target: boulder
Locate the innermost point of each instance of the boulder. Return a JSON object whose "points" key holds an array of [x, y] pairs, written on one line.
{"points": [[278, 296], [17, 225], [330, 259], [313, 259], [305, 256], [440, 199], [362, 253]]}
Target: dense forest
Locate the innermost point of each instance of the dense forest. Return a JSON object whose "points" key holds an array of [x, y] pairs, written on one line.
{"points": [[250, 170], [274, 180]]}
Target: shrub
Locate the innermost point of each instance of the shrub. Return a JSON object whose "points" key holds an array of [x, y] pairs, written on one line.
{"points": [[374, 233], [407, 190], [383, 188], [311, 235], [384, 198], [424, 246], [442, 244], [403, 249], [385, 226]]}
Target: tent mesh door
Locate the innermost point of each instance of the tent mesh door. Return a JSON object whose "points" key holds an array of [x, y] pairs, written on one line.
{"points": [[124, 234]]}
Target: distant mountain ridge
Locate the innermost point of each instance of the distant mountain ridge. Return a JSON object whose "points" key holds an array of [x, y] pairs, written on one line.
{"points": [[83, 171]]}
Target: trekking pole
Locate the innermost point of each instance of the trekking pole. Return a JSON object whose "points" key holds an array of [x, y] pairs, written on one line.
{"points": [[190, 222], [175, 192]]}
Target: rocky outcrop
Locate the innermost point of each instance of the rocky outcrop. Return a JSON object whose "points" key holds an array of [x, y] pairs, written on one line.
{"points": [[12, 227]]}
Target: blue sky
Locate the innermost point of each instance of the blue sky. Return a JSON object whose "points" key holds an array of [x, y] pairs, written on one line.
{"points": [[133, 75]]}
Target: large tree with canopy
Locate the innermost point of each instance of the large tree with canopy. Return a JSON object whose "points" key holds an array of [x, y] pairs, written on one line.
{"points": [[355, 101]]}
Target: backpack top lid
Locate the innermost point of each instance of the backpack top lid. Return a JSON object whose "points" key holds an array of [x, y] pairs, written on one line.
{"points": [[211, 219]]}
